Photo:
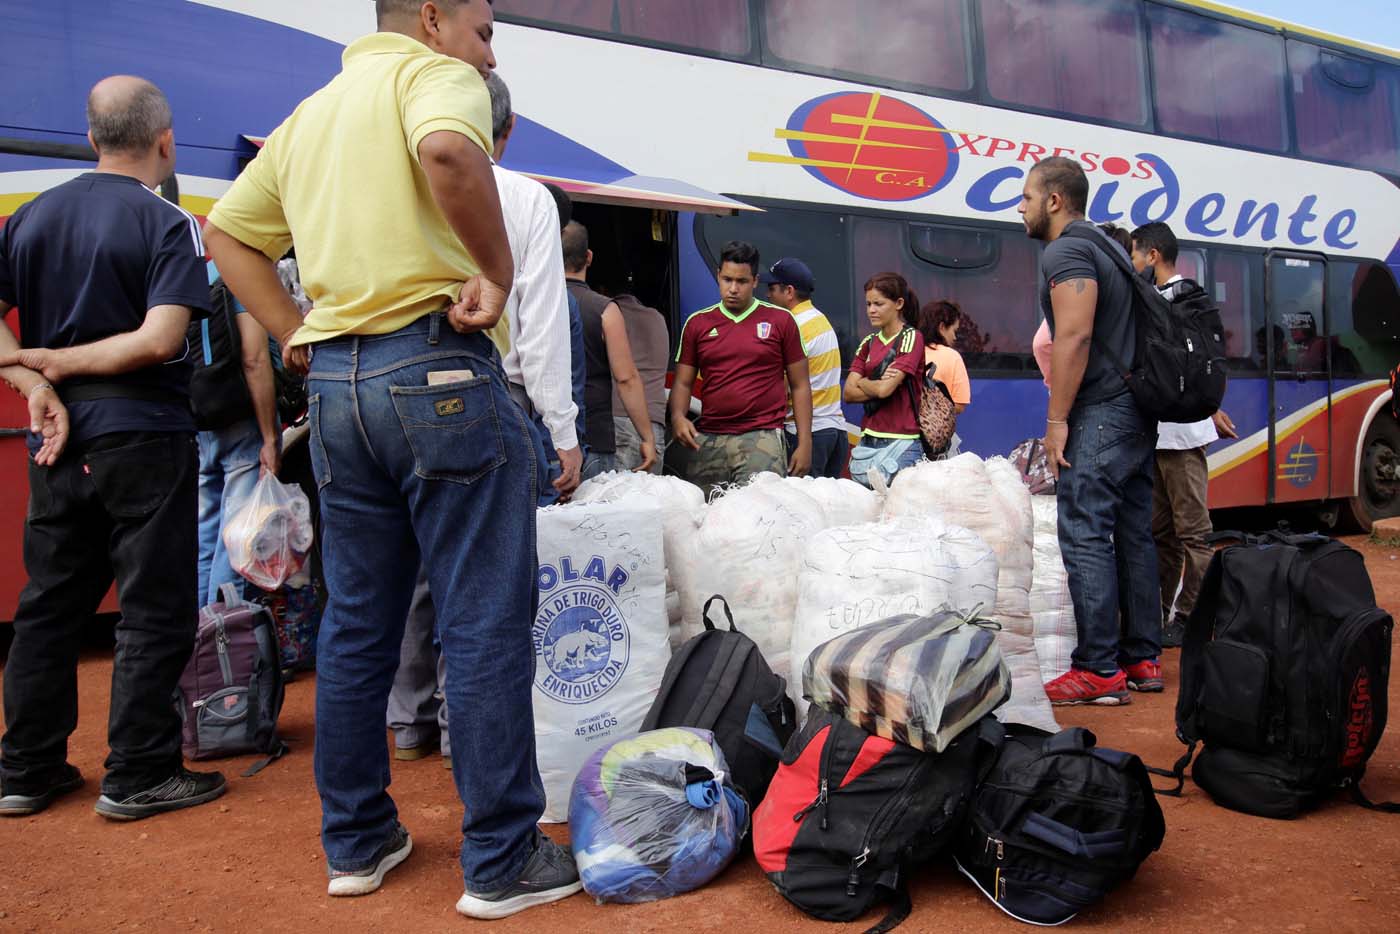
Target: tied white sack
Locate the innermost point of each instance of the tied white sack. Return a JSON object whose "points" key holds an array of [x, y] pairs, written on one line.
{"points": [[1052, 610], [843, 502], [749, 550], [682, 506], [991, 500], [853, 576], [599, 635]]}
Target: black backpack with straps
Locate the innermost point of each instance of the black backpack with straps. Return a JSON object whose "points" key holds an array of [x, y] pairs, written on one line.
{"points": [[1178, 371], [1285, 673], [719, 681]]}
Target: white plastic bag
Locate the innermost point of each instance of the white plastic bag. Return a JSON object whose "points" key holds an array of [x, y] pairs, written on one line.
{"points": [[853, 576], [682, 507], [270, 533], [843, 502], [991, 500], [1051, 608], [599, 634], [749, 549]]}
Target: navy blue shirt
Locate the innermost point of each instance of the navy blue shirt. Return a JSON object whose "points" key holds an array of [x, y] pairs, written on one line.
{"points": [[85, 261]]}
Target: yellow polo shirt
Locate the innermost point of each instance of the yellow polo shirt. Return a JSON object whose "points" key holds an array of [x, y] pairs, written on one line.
{"points": [[340, 178]]}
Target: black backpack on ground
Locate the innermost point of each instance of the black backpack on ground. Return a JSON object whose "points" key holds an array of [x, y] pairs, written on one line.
{"points": [[1058, 824], [1178, 372], [1285, 671], [849, 813], [719, 681], [218, 389]]}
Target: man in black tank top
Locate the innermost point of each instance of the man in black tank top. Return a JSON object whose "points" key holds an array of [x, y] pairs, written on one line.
{"points": [[608, 356]]}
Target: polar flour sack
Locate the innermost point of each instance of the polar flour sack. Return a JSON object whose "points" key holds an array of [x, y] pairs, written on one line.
{"points": [[599, 635]]}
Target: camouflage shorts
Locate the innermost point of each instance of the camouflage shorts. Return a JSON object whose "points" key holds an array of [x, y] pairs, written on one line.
{"points": [[736, 458]]}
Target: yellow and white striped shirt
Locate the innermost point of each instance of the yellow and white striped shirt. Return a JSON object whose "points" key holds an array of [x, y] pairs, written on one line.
{"points": [[824, 368]]}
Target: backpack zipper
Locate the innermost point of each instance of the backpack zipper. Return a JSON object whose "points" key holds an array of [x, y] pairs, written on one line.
{"points": [[819, 801], [853, 878], [221, 644]]}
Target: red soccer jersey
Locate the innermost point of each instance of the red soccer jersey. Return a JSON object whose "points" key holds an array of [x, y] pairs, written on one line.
{"points": [[896, 417], [743, 359]]}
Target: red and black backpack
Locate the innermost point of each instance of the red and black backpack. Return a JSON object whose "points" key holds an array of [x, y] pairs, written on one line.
{"points": [[849, 813]]}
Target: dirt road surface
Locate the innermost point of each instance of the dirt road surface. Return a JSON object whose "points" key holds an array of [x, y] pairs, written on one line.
{"points": [[252, 861]]}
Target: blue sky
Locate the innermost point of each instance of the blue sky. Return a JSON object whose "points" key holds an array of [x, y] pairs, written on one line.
{"points": [[1374, 21]]}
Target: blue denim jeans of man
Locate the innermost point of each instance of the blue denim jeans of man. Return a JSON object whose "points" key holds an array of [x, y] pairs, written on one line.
{"points": [[445, 476], [595, 464], [546, 454], [1105, 529], [830, 450], [228, 471]]}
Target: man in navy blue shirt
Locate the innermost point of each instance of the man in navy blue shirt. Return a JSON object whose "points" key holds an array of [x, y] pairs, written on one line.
{"points": [[105, 274]]}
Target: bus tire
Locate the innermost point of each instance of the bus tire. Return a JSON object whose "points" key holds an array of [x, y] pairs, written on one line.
{"points": [[1378, 489]]}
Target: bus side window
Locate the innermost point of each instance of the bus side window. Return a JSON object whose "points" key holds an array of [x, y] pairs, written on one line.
{"points": [[1217, 81], [1345, 109], [990, 273], [720, 26], [926, 43], [1236, 283], [1082, 57], [1364, 308]]}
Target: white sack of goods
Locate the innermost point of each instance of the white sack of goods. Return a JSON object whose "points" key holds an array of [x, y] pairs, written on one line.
{"points": [[1051, 608], [843, 502], [599, 634], [682, 506], [991, 500], [749, 549], [853, 576]]}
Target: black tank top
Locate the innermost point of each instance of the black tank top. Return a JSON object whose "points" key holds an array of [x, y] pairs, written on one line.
{"points": [[598, 383]]}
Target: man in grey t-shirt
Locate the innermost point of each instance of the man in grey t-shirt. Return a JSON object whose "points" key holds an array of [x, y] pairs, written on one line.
{"points": [[1099, 445]]}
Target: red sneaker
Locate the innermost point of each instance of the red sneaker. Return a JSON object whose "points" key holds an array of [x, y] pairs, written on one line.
{"points": [[1084, 687], [1145, 676]]}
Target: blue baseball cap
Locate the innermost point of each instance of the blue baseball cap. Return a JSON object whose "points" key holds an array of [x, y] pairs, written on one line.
{"points": [[793, 272]]}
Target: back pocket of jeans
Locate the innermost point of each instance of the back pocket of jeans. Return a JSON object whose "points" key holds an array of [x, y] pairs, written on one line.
{"points": [[452, 429], [132, 481], [1234, 694]]}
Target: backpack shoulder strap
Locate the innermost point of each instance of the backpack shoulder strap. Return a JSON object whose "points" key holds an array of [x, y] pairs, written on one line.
{"points": [[674, 669], [1359, 796], [721, 681]]}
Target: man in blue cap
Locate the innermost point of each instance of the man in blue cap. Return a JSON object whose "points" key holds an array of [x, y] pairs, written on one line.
{"points": [[790, 285]]}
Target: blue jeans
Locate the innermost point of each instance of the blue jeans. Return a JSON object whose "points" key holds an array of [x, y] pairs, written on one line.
{"points": [[228, 471], [912, 453], [596, 464], [445, 476], [1105, 516], [830, 446]]}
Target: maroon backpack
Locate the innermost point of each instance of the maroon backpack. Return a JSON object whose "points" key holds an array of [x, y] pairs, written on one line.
{"points": [[231, 691]]}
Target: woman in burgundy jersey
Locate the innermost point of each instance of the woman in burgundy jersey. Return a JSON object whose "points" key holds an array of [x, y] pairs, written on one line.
{"points": [[885, 377]]}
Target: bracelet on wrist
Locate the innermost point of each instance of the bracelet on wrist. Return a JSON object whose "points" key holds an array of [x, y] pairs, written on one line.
{"points": [[1056, 421], [34, 389]]}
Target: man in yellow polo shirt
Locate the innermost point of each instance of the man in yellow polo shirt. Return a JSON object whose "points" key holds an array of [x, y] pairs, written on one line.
{"points": [[790, 285], [382, 180]]}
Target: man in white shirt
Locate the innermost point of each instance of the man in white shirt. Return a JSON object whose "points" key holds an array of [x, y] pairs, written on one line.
{"points": [[1180, 519], [533, 334]]}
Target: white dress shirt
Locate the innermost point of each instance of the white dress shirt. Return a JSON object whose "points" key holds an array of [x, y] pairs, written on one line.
{"points": [[537, 311], [1183, 436]]}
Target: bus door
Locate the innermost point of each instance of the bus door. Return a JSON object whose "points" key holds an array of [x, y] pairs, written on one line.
{"points": [[1300, 387]]}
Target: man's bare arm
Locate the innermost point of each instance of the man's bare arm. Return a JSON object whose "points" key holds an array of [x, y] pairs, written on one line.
{"points": [[160, 338]]}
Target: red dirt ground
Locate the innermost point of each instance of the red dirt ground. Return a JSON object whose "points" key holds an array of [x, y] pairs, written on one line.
{"points": [[252, 861]]}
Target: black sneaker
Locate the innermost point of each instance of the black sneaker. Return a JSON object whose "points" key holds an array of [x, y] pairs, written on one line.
{"points": [[184, 789], [549, 876], [363, 881], [1173, 633], [24, 803]]}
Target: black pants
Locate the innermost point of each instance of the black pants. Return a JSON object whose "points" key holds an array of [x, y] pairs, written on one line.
{"points": [[123, 505]]}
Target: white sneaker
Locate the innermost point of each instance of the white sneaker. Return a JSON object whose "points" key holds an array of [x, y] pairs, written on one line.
{"points": [[364, 881]]}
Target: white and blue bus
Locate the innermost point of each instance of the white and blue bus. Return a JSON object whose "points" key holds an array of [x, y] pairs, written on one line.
{"points": [[891, 134]]}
